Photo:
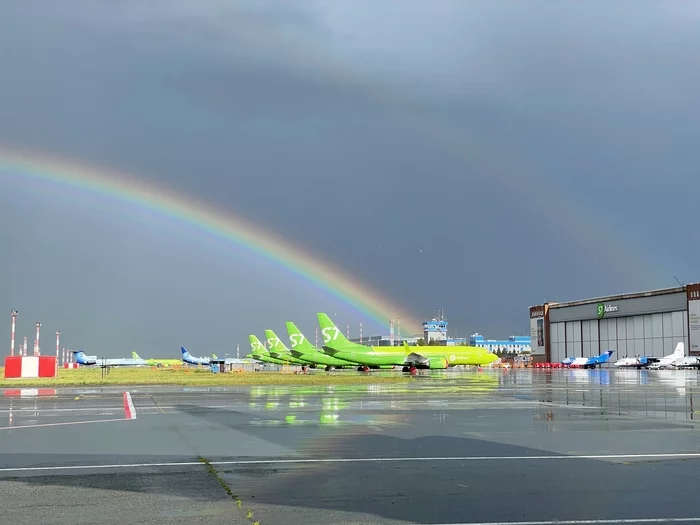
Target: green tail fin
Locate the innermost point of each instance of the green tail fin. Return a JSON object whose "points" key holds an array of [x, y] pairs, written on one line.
{"points": [[332, 336], [134, 355], [297, 339], [256, 345], [274, 343]]}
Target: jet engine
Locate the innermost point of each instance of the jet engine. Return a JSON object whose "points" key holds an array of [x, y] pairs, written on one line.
{"points": [[436, 363]]}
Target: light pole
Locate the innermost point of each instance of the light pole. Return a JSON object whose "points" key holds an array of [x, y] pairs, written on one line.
{"points": [[12, 340], [37, 348], [58, 347]]}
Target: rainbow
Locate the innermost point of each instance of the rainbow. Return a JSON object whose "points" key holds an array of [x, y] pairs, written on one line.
{"points": [[214, 222]]}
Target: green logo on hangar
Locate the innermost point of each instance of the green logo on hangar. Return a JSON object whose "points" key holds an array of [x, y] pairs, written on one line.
{"points": [[603, 308]]}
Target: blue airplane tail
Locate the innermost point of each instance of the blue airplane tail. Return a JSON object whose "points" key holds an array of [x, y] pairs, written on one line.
{"points": [[604, 357]]}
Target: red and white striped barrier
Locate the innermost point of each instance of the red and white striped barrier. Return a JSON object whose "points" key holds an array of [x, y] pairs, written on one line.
{"points": [[30, 367], [29, 392], [71, 365]]}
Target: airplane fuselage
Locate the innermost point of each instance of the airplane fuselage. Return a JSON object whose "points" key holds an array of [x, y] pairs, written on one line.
{"points": [[318, 358], [430, 356]]}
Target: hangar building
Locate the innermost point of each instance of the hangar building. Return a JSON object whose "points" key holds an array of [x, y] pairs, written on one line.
{"points": [[646, 323]]}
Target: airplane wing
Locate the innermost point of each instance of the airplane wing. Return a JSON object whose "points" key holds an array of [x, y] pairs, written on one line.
{"points": [[415, 357]]}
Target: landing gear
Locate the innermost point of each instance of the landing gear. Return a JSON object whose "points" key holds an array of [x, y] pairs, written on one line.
{"points": [[363, 368], [330, 368]]}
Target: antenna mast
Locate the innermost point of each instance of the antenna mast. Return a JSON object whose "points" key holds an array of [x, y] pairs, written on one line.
{"points": [[12, 340]]}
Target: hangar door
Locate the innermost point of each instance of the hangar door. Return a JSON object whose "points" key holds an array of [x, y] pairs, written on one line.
{"points": [[557, 342], [573, 339], [653, 335]]}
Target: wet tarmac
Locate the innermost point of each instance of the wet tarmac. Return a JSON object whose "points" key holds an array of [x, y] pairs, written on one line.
{"points": [[534, 446]]}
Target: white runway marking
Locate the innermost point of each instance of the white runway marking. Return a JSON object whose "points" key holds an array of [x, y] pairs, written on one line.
{"points": [[52, 410], [62, 423], [582, 522], [354, 460]]}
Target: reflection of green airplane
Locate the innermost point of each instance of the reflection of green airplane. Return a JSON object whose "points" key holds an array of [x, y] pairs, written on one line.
{"points": [[279, 350], [425, 357], [304, 350], [156, 362], [260, 353]]}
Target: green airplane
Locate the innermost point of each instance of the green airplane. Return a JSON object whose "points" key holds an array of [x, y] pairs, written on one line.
{"points": [[278, 349], [260, 353], [304, 350], [424, 357], [156, 362]]}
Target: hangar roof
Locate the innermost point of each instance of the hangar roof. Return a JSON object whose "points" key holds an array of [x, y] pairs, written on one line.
{"points": [[608, 298]]}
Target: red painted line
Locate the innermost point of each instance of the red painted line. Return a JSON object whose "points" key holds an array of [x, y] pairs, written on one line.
{"points": [[129, 410], [63, 423]]}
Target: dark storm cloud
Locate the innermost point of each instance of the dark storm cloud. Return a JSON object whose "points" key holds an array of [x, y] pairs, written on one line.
{"points": [[416, 145]]}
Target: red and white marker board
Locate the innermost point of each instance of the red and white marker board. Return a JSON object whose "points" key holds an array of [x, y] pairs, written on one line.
{"points": [[30, 367]]}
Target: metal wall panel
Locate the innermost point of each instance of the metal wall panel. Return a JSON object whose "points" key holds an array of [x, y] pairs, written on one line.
{"points": [[620, 329], [594, 332], [561, 327], [657, 325], [603, 324], [586, 350], [577, 331], [589, 345], [667, 324], [621, 347], [556, 335], [603, 344], [678, 324], [669, 345], [570, 346], [638, 328]]}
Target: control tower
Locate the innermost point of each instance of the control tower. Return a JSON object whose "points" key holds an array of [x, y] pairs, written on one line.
{"points": [[435, 330]]}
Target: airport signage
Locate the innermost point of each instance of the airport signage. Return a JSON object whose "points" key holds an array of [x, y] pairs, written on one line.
{"points": [[537, 332], [606, 308]]}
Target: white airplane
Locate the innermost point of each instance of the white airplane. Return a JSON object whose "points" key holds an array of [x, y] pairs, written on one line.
{"points": [[90, 360], [689, 361], [636, 362], [670, 360], [588, 362]]}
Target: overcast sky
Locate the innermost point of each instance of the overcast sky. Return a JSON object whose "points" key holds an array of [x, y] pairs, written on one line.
{"points": [[476, 156]]}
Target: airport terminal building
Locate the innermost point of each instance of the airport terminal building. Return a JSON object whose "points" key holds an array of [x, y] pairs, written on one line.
{"points": [[646, 323]]}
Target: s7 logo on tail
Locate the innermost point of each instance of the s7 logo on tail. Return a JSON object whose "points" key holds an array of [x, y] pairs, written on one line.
{"points": [[332, 336], [272, 342], [257, 345], [296, 339]]}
